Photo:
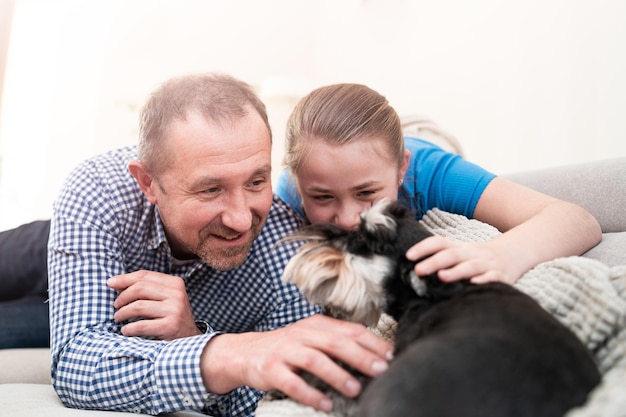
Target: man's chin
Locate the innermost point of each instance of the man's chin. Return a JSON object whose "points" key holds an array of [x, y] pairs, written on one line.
{"points": [[224, 255], [225, 260]]}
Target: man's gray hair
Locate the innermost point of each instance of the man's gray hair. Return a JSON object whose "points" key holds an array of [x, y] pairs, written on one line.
{"points": [[219, 97]]}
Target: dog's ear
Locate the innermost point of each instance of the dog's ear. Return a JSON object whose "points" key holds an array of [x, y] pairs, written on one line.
{"points": [[344, 284], [398, 211], [391, 228], [378, 229], [315, 270]]}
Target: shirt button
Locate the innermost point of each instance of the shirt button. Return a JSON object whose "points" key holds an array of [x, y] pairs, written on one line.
{"points": [[187, 400], [222, 408], [136, 410]]}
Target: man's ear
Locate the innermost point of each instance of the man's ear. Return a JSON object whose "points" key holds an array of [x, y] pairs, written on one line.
{"points": [[144, 179]]}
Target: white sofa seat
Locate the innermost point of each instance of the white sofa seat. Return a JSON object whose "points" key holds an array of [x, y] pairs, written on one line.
{"points": [[40, 400]]}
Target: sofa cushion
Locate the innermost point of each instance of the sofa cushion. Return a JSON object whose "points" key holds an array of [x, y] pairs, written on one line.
{"points": [[25, 365], [23, 261], [32, 400]]}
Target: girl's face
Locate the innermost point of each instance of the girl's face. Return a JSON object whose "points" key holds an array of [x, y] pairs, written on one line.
{"points": [[338, 182]]}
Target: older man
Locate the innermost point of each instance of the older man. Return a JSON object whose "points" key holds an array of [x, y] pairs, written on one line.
{"points": [[165, 289]]}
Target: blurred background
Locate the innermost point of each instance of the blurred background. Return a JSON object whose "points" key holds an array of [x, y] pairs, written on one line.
{"points": [[521, 85]]}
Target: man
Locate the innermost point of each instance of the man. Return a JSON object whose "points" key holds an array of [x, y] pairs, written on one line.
{"points": [[165, 290]]}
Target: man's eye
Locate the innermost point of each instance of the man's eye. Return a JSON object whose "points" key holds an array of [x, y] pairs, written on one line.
{"points": [[367, 193], [258, 182], [211, 191]]}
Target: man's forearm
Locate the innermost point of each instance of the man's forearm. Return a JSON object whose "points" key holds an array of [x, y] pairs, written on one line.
{"points": [[112, 372]]}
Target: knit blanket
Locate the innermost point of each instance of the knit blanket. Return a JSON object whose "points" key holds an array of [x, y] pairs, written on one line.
{"points": [[584, 294]]}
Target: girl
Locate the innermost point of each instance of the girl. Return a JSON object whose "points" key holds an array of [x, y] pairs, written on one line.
{"points": [[345, 150]]}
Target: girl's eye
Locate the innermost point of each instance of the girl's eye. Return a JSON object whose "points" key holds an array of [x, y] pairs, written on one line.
{"points": [[367, 193], [322, 197]]}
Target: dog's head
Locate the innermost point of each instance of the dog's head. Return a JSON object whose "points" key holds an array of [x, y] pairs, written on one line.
{"points": [[348, 272]]}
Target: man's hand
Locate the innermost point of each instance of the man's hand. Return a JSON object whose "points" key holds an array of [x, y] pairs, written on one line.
{"points": [[160, 300], [271, 360]]}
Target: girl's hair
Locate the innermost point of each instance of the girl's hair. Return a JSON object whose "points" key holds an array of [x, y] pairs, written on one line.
{"points": [[218, 97], [338, 114]]}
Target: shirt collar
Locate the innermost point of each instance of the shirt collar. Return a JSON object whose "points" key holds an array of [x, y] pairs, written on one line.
{"points": [[157, 233]]}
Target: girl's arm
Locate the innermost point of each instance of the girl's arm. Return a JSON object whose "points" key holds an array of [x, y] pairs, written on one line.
{"points": [[535, 226]]}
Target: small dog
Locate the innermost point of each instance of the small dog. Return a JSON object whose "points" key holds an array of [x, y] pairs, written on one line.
{"points": [[460, 349]]}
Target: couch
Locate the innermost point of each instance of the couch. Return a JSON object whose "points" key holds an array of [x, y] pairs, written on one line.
{"points": [[600, 187]]}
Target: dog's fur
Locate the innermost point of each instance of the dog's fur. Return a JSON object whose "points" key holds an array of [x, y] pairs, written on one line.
{"points": [[460, 349]]}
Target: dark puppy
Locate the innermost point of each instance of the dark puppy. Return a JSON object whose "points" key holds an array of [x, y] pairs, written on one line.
{"points": [[460, 349]]}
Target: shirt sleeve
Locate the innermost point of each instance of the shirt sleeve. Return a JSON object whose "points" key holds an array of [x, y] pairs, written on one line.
{"points": [[286, 189], [93, 365], [437, 178]]}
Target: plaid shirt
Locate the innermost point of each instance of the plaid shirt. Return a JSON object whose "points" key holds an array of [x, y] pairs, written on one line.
{"points": [[104, 226]]}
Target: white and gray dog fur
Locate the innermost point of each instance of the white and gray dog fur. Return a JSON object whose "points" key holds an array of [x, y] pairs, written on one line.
{"points": [[461, 350]]}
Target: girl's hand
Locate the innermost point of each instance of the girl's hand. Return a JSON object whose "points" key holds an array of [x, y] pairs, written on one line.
{"points": [[454, 260]]}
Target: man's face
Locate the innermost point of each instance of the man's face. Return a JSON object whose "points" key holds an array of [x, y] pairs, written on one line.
{"points": [[216, 192]]}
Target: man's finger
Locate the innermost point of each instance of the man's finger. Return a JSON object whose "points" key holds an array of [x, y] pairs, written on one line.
{"points": [[359, 337], [140, 308], [141, 291], [123, 281], [296, 388], [317, 363]]}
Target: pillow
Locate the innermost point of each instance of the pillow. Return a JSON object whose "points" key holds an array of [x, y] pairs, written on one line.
{"points": [[23, 261]]}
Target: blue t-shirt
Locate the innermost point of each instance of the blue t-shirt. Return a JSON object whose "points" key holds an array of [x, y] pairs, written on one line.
{"points": [[434, 178]]}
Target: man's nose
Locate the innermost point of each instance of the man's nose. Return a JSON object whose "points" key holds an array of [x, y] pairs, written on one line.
{"points": [[237, 214]]}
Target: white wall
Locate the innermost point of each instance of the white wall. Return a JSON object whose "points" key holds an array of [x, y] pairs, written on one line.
{"points": [[522, 85]]}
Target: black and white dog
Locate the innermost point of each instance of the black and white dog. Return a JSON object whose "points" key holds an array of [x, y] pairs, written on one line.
{"points": [[460, 349]]}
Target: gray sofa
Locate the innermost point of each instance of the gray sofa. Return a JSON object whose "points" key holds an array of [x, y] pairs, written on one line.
{"points": [[600, 187]]}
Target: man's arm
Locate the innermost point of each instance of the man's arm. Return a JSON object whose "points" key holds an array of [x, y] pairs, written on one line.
{"points": [[102, 226], [266, 359], [93, 365]]}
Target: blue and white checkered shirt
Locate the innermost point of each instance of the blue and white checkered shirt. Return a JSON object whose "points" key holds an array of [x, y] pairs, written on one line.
{"points": [[104, 226]]}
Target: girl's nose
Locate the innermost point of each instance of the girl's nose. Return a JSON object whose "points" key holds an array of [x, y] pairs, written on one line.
{"points": [[348, 217]]}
